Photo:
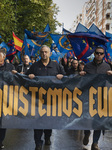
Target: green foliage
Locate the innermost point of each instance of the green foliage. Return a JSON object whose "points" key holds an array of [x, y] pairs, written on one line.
{"points": [[17, 15]]}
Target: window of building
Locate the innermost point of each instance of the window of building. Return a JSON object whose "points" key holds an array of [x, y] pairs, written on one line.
{"points": [[111, 25], [109, 5], [111, 16], [108, 16], [107, 26]]}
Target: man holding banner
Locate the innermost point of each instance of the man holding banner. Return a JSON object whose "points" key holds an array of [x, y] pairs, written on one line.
{"points": [[44, 67], [4, 67], [95, 67], [22, 68]]}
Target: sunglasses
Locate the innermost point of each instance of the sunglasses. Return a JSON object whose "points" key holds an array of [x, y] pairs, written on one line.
{"points": [[99, 53]]}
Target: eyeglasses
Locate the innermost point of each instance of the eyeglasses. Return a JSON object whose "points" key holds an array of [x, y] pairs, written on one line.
{"points": [[99, 53]]}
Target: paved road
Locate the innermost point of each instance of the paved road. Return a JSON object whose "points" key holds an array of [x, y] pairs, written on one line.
{"points": [[17, 139]]}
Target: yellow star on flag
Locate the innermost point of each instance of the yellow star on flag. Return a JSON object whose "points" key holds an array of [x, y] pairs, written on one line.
{"points": [[93, 43], [83, 41]]}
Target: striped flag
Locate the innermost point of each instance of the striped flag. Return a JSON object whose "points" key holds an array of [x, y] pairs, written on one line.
{"points": [[17, 42]]}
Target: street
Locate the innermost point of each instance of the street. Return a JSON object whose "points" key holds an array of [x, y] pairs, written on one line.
{"points": [[19, 139]]}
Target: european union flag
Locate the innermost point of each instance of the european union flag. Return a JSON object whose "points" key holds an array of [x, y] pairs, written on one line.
{"points": [[109, 35], [62, 42], [95, 30], [11, 52], [109, 46], [81, 28], [84, 43]]}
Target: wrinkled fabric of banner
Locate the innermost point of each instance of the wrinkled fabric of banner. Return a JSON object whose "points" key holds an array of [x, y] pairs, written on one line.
{"points": [[81, 102]]}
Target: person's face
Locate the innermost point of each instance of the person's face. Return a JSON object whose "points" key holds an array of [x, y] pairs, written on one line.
{"points": [[99, 54], [2, 58], [26, 60], [75, 64], [45, 53], [7, 60], [33, 61], [81, 67], [16, 61]]}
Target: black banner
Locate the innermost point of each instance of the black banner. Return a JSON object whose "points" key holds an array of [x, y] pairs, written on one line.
{"points": [[75, 102]]}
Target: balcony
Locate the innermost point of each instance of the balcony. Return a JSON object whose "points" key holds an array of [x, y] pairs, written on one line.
{"points": [[108, 1], [108, 21], [107, 11]]}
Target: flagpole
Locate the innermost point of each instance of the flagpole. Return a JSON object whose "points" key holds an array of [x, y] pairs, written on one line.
{"points": [[62, 27]]}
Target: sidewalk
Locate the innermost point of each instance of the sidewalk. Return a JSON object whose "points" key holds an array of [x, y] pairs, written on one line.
{"points": [[61, 140]]}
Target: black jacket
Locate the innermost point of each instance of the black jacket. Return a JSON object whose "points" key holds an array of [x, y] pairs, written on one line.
{"points": [[72, 71], [7, 67], [52, 69], [23, 68], [93, 68]]}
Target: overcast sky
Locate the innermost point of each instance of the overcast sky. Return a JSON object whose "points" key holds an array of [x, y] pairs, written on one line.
{"points": [[69, 9]]}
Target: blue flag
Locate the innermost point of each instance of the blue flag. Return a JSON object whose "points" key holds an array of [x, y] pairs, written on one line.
{"points": [[4, 45], [25, 46], [36, 35], [81, 28], [54, 56], [19, 56], [54, 48], [62, 42], [84, 43], [72, 53], [47, 28], [36, 40], [109, 35], [33, 28], [65, 31], [11, 52], [109, 46], [95, 30], [33, 43]]}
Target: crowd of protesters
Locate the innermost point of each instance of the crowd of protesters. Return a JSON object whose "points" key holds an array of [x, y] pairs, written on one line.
{"points": [[70, 66]]}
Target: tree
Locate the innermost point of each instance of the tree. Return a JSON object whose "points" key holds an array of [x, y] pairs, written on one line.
{"points": [[17, 15], [7, 18]]}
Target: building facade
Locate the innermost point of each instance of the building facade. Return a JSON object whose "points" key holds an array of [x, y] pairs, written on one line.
{"points": [[98, 12]]}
